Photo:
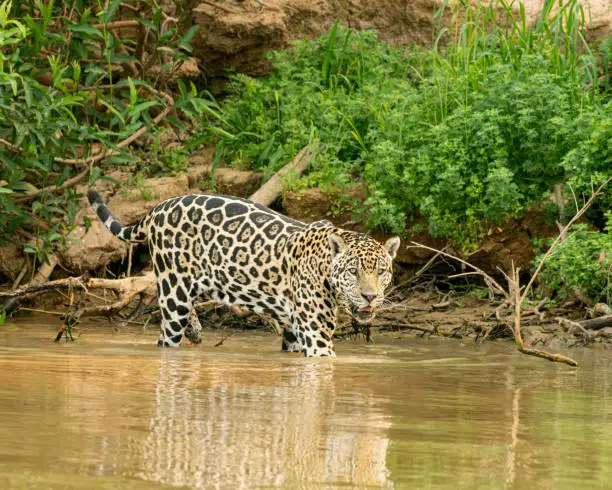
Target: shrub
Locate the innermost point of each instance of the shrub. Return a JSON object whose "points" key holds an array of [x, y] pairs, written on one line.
{"points": [[466, 134], [582, 261], [65, 94]]}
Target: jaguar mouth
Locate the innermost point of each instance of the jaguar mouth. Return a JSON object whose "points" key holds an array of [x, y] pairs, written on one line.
{"points": [[363, 314]]}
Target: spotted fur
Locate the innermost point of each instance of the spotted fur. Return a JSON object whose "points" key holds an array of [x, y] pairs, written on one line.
{"points": [[240, 253]]}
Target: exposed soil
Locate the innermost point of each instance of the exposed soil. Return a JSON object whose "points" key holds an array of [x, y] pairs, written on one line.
{"points": [[234, 35], [470, 318]]}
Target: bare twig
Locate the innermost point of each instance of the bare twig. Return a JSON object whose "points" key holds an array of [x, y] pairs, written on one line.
{"points": [[52, 188], [576, 217], [118, 24], [10, 145], [491, 283], [224, 338]]}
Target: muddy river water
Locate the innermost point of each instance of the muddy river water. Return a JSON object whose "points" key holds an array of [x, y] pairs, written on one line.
{"points": [[113, 411]]}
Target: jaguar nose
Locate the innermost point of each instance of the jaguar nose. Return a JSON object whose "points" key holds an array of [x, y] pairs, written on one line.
{"points": [[369, 297]]}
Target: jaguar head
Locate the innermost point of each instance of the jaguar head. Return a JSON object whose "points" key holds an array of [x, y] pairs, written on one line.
{"points": [[361, 271]]}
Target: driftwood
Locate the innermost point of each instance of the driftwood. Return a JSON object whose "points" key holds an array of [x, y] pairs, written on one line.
{"points": [[69, 283], [270, 191], [597, 323]]}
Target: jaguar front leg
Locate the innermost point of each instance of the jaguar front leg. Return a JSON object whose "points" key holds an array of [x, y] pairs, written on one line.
{"points": [[177, 315], [173, 328], [315, 337], [290, 342]]}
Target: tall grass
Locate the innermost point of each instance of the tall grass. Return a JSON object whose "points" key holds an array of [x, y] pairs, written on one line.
{"points": [[487, 36]]}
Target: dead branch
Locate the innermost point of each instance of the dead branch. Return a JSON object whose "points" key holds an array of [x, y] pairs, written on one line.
{"points": [[597, 323], [68, 283], [53, 188], [541, 314], [268, 192], [224, 338], [515, 288], [571, 325], [491, 283], [118, 24], [576, 217], [107, 310], [420, 328], [11, 146], [144, 284]]}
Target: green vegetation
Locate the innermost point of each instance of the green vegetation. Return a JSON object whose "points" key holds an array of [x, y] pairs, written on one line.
{"points": [[467, 133], [72, 93], [584, 262]]}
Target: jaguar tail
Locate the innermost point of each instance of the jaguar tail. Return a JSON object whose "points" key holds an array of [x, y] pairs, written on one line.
{"points": [[134, 234]]}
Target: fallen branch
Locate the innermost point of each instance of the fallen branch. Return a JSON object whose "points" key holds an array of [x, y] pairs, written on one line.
{"points": [[268, 192], [68, 283], [420, 328], [514, 287], [491, 283], [597, 323], [118, 24]]}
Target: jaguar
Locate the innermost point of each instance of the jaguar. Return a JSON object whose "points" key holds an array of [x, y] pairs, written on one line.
{"points": [[238, 252]]}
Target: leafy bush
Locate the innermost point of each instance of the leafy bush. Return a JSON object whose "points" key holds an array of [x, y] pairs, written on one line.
{"points": [[582, 261], [65, 100], [466, 135]]}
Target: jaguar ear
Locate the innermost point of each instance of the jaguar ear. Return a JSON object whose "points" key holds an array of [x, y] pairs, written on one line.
{"points": [[337, 245], [392, 246]]}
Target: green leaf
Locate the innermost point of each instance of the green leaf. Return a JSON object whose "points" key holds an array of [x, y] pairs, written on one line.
{"points": [[27, 92], [184, 43], [143, 107], [86, 31], [112, 109], [111, 11], [133, 93]]}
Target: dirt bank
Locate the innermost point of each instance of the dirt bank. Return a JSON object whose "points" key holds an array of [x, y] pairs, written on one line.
{"points": [[235, 35]]}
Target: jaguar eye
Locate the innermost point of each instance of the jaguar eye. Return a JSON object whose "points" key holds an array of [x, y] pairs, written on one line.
{"points": [[353, 271], [381, 272]]}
